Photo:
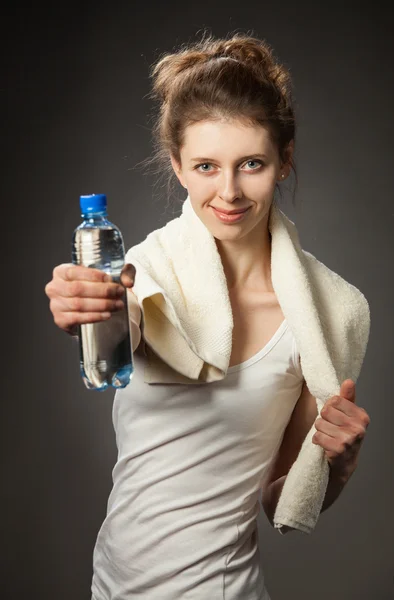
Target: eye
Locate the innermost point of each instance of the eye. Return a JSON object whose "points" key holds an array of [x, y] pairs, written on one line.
{"points": [[257, 162], [202, 165]]}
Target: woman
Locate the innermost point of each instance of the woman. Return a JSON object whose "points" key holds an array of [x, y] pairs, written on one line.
{"points": [[181, 517]]}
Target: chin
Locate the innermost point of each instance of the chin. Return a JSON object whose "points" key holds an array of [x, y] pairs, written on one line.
{"points": [[227, 233], [226, 237]]}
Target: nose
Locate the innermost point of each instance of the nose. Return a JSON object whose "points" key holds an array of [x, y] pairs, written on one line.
{"points": [[228, 187]]}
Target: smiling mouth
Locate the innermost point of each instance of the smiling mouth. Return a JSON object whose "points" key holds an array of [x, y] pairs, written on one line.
{"points": [[230, 218], [232, 212]]}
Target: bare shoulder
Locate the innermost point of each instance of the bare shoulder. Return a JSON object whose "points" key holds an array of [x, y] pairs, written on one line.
{"points": [[302, 418]]}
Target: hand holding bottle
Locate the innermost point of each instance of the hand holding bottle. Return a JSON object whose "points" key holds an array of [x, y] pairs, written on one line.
{"points": [[80, 295]]}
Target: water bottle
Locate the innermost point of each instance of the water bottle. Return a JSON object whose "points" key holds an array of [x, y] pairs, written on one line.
{"points": [[105, 348]]}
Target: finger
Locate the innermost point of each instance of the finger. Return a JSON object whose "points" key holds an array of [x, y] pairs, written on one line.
{"points": [[85, 305], [69, 321], [348, 390], [335, 415], [127, 276], [336, 406], [89, 289], [334, 446], [71, 272], [326, 427]]}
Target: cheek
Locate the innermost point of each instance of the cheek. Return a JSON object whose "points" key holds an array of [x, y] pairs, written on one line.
{"points": [[200, 186], [266, 182], [201, 194]]}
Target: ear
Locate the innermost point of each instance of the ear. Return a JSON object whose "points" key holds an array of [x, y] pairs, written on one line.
{"points": [[177, 169]]}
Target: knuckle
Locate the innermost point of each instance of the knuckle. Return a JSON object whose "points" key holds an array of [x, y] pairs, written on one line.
{"points": [[365, 417], [60, 270], [76, 303], [94, 274], [343, 447], [70, 272], [75, 288], [346, 442], [109, 305], [360, 432], [325, 411], [352, 428]]}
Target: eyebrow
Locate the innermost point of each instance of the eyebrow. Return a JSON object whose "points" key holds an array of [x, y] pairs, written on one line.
{"points": [[206, 159]]}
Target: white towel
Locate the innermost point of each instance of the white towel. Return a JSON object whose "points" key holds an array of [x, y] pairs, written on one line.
{"points": [[187, 325]]}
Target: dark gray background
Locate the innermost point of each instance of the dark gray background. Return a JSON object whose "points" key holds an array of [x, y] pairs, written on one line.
{"points": [[75, 121]]}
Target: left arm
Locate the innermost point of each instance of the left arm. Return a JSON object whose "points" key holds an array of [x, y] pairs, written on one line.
{"points": [[273, 490], [302, 418], [340, 430]]}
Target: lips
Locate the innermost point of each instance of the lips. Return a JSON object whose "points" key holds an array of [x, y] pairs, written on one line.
{"points": [[233, 217], [231, 212]]}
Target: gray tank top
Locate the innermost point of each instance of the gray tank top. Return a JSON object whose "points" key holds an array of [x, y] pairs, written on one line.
{"points": [[181, 516]]}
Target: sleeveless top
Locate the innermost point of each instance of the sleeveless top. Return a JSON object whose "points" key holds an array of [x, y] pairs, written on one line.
{"points": [[181, 516]]}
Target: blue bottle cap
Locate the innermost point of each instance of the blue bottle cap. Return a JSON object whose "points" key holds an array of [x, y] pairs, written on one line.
{"points": [[93, 203]]}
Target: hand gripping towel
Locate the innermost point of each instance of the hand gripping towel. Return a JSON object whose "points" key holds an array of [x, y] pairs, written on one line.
{"points": [[187, 325]]}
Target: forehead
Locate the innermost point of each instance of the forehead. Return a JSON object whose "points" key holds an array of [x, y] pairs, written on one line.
{"points": [[224, 138]]}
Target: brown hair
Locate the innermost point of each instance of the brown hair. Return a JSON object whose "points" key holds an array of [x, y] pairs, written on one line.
{"points": [[232, 78]]}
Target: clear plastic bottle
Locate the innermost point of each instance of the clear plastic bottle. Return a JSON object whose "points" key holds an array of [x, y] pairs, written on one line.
{"points": [[106, 357]]}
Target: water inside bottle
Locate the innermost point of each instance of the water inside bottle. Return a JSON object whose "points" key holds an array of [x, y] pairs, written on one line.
{"points": [[105, 347]]}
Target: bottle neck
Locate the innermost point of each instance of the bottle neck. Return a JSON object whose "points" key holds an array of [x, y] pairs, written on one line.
{"points": [[95, 217]]}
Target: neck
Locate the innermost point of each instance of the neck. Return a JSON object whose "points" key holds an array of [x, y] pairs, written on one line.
{"points": [[247, 262]]}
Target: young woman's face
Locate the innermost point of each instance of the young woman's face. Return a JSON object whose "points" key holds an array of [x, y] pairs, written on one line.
{"points": [[229, 166]]}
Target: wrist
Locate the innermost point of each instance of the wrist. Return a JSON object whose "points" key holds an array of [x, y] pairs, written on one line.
{"points": [[341, 474]]}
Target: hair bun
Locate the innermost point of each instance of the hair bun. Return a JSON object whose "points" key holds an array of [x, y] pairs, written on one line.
{"points": [[252, 52], [258, 55], [171, 66]]}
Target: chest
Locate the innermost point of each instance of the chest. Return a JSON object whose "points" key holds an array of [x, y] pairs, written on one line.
{"points": [[257, 316]]}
